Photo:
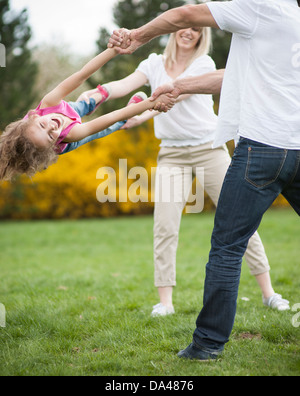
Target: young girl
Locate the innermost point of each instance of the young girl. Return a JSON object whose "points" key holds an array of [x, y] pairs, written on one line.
{"points": [[34, 143], [88, 105]]}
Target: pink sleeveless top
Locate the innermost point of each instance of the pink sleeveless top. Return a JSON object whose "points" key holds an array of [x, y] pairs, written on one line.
{"points": [[65, 109]]}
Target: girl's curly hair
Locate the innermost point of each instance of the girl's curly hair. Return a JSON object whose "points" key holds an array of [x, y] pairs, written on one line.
{"points": [[18, 155]]}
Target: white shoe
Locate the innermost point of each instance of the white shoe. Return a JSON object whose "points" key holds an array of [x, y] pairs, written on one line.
{"points": [[277, 302], [137, 98], [162, 310]]}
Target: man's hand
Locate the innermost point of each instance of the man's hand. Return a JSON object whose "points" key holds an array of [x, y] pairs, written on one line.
{"points": [[125, 41], [168, 88]]}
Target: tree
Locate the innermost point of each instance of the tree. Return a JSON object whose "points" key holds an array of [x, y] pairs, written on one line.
{"points": [[221, 44], [56, 63], [18, 77]]}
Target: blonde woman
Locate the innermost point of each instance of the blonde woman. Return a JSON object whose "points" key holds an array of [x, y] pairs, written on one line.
{"points": [[186, 133]]}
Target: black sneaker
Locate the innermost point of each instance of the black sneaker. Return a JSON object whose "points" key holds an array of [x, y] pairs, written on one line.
{"points": [[194, 353]]}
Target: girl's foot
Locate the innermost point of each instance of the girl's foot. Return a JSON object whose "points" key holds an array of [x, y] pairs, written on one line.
{"points": [[100, 97], [137, 98]]}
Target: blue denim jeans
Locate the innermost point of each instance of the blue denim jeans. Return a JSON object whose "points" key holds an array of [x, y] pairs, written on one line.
{"points": [[83, 108], [256, 176]]}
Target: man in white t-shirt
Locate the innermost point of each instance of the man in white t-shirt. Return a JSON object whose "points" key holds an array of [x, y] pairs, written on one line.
{"points": [[260, 108]]}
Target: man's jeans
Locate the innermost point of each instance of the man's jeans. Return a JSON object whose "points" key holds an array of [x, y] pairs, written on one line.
{"points": [[256, 176], [82, 108]]}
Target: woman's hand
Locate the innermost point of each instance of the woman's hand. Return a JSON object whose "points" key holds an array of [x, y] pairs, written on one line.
{"points": [[133, 122]]}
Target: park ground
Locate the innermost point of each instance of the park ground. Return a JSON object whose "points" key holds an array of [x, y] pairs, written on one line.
{"points": [[78, 297]]}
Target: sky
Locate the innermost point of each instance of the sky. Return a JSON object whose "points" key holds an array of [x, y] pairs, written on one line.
{"points": [[75, 23]]}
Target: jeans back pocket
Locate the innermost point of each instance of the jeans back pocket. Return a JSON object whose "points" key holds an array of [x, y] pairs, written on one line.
{"points": [[264, 164]]}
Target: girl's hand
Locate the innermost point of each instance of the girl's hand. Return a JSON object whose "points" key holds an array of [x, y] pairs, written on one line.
{"points": [[119, 39], [133, 122], [124, 41]]}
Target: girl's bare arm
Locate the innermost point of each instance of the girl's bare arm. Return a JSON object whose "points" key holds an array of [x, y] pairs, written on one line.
{"points": [[54, 97], [147, 115], [80, 132]]}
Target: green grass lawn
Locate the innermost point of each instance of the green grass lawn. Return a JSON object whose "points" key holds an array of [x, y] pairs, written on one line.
{"points": [[78, 297]]}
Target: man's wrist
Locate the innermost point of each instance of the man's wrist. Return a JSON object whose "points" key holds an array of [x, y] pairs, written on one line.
{"points": [[143, 35], [178, 88]]}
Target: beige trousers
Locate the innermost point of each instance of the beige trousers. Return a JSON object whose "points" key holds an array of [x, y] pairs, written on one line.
{"points": [[177, 167]]}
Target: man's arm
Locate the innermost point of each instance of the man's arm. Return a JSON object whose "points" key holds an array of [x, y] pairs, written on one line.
{"points": [[171, 21], [206, 84]]}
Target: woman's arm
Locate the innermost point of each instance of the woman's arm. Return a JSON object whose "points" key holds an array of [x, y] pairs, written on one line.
{"points": [[128, 84], [140, 119], [54, 97], [119, 88], [164, 103], [147, 115]]}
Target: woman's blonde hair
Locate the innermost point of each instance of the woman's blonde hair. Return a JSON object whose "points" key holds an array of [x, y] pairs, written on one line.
{"points": [[18, 155], [203, 47]]}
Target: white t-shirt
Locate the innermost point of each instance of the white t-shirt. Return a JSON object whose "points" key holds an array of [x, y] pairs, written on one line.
{"points": [[260, 97], [191, 122]]}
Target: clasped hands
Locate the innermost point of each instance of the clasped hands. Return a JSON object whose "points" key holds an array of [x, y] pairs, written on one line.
{"points": [[126, 42]]}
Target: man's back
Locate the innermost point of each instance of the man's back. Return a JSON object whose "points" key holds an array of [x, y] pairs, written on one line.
{"points": [[261, 91]]}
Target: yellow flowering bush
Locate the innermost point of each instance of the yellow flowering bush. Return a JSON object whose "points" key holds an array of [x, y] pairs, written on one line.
{"points": [[73, 187], [68, 189]]}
